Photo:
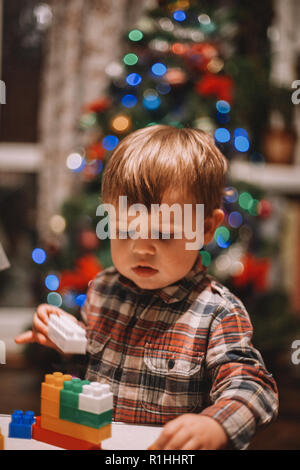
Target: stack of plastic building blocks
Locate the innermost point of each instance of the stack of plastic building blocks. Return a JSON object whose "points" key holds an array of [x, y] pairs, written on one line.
{"points": [[67, 334], [21, 424], [75, 414]]}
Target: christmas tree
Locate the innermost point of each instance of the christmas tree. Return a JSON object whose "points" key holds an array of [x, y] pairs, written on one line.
{"points": [[184, 65]]}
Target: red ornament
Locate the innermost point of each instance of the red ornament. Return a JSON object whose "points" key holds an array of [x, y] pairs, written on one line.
{"points": [[86, 268], [179, 48], [220, 86], [97, 106], [255, 271], [200, 54], [95, 151], [264, 209]]}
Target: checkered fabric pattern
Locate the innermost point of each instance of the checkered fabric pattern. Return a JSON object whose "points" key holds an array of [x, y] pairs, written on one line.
{"points": [[184, 348]]}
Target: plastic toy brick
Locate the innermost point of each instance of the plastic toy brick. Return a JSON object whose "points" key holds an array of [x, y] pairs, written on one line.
{"points": [[50, 408], [21, 423], [69, 395], [79, 431], [87, 419], [95, 398], [1, 440], [52, 386], [60, 440], [67, 334]]}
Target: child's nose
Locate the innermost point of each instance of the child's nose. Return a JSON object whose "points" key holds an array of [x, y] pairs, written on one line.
{"points": [[143, 246]]}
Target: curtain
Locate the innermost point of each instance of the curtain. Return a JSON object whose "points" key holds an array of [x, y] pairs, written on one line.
{"points": [[84, 37], [285, 48]]}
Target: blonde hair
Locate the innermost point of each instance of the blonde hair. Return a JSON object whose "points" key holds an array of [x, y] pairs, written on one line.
{"points": [[152, 160]]}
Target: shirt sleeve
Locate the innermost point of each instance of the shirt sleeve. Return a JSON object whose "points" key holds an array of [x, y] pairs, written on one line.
{"points": [[244, 394], [85, 307]]}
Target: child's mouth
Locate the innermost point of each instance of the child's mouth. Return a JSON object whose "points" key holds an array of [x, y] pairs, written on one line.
{"points": [[144, 271]]}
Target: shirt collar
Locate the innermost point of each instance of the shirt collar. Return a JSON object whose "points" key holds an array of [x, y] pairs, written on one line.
{"points": [[174, 292]]}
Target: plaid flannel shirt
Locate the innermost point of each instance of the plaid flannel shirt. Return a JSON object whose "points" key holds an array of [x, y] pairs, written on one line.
{"points": [[184, 348]]}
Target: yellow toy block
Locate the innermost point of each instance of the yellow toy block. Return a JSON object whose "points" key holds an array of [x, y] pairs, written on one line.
{"points": [[52, 386], [50, 408], [79, 431], [1, 441]]}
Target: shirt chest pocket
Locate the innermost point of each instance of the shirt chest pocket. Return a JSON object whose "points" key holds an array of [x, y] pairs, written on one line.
{"points": [[171, 381]]}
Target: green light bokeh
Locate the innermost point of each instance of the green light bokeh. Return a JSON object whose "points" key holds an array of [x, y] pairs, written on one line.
{"points": [[245, 200], [135, 35], [224, 232], [53, 298], [206, 257], [130, 59]]}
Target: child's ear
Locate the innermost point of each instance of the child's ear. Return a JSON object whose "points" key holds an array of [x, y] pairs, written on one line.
{"points": [[211, 224]]}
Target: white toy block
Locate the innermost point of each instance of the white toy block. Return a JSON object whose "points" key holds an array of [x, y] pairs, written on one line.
{"points": [[67, 334], [95, 398]]}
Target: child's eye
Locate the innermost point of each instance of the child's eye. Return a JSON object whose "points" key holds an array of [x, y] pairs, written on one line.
{"points": [[160, 235], [120, 232], [166, 235]]}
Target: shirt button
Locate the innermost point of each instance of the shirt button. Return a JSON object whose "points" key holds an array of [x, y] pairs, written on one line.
{"points": [[171, 363]]}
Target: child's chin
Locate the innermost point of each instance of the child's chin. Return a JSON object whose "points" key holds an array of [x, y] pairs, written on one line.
{"points": [[146, 283]]}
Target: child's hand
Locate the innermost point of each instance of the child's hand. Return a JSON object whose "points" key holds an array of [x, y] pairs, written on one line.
{"points": [[191, 432], [39, 332]]}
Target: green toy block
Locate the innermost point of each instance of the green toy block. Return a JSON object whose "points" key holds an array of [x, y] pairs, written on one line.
{"points": [[84, 417], [69, 395]]}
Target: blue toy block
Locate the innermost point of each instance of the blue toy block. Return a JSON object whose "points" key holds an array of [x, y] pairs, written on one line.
{"points": [[21, 424]]}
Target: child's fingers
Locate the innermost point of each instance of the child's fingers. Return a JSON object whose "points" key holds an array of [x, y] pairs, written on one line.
{"points": [[34, 337], [171, 429], [44, 340], [26, 337], [44, 310], [153, 447], [31, 337], [38, 326]]}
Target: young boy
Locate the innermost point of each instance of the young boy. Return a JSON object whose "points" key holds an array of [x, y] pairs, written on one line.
{"points": [[173, 343]]}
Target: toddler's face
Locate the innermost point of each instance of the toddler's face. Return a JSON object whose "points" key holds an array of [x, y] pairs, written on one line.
{"points": [[168, 257]]}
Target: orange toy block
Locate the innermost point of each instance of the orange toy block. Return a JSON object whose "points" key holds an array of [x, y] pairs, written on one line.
{"points": [[52, 386], [60, 440], [1, 441], [79, 431], [50, 408]]}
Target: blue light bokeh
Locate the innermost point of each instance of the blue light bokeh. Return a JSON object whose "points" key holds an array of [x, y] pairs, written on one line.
{"points": [[80, 299], [222, 135], [151, 102], [39, 255], [129, 101], [235, 219], [52, 282], [159, 69], [179, 15], [133, 79], [110, 142], [241, 143]]}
